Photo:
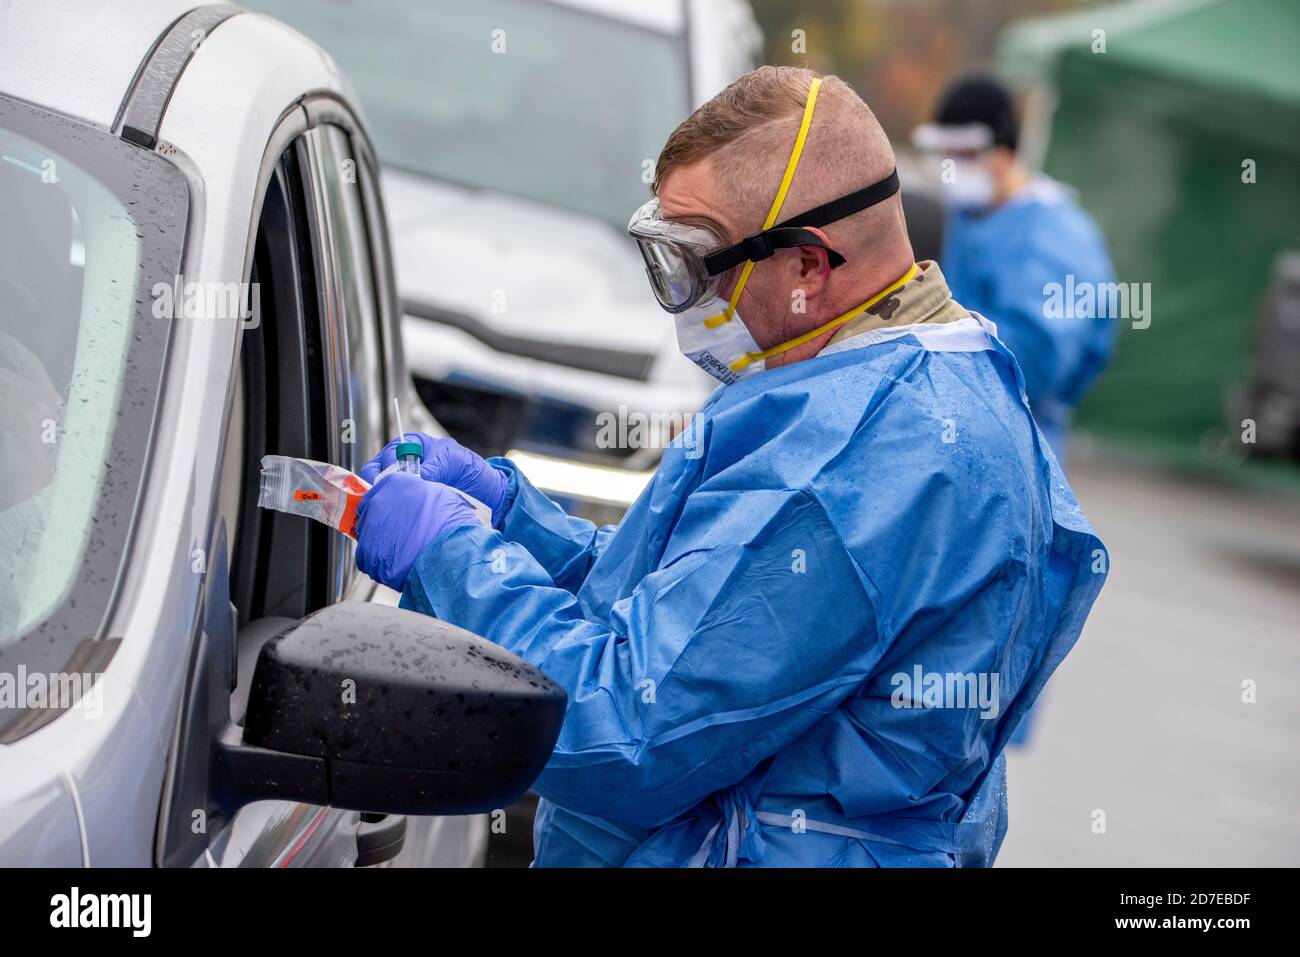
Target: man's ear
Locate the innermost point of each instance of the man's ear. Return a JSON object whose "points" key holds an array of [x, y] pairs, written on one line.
{"points": [[813, 264]]}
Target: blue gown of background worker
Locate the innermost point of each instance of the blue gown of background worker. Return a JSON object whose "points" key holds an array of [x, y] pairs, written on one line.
{"points": [[998, 262], [730, 650]]}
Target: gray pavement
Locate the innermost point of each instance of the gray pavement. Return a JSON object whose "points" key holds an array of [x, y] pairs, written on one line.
{"points": [[1145, 720]]}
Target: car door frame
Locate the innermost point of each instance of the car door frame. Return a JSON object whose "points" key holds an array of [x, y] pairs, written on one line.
{"points": [[267, 833], [280, 833]]}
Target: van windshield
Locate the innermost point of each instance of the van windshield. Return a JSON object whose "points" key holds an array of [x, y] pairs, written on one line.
{"points": [[539, 100]]}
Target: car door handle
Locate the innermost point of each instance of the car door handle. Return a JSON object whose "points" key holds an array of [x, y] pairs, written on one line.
{"points": [[380, 838]]}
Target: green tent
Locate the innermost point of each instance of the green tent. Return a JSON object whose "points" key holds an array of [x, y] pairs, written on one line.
{"points": [[1157, 134]]}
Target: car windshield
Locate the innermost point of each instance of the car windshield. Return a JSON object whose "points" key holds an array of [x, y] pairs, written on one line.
{"points": [[85, 229], [535, 99]]}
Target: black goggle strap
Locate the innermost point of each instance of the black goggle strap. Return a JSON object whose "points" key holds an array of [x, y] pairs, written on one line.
{"points": [[790, 233]]}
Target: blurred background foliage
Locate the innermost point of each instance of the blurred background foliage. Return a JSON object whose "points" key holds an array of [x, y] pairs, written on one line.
{"points": [[898, 54]]}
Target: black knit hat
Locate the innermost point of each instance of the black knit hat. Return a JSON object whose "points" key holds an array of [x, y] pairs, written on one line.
{"points": [[983, 100]]}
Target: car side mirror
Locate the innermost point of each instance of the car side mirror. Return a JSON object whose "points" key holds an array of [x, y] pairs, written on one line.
{"points": [[372, 708]]}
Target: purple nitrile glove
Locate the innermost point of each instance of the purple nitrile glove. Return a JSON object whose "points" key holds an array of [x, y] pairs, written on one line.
{"points": [[396, 521], [448, 462]]}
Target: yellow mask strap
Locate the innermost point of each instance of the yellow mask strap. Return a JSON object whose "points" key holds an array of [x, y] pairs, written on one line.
{"points": [[751, 357], [786, 180]]}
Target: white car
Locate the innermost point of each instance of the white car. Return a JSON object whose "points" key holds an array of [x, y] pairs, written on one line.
{"points": [[175, 661], [517, 138]]}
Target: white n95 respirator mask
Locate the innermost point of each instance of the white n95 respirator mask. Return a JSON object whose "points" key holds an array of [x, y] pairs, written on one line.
{"points": [[720, 346], [724, 348], [968, 186]]}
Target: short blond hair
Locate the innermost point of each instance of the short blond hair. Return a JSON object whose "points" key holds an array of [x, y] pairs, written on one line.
{"points": [[747, 131]]}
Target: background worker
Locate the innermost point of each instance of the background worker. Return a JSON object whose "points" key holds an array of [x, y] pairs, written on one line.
{"points": [[1009, 235]]}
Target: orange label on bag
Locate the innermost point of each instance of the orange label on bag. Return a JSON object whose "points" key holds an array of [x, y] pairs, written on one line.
{"points": [[348, 523], [304, 495]]}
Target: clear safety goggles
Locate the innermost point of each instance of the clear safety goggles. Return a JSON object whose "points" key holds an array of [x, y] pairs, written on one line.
{"points": [[686, 262], [674, 254]]}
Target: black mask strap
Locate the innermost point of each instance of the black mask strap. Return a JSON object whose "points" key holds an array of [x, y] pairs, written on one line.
{"points": [[789, 233]]}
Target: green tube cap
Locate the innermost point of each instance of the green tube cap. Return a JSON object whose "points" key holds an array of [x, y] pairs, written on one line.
{"points": [[410, 448]]}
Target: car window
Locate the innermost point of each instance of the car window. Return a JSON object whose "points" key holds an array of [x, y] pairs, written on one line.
{"points": [[281, 564], [91, 229], [451, 90], [356, 392], [365, 403]]}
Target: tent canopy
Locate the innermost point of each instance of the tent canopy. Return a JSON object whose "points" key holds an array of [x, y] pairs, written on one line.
{"points": [[1183, 141]]}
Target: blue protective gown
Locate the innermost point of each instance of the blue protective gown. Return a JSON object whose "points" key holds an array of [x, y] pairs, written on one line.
{"points": [[729, 649], [997, 263]]}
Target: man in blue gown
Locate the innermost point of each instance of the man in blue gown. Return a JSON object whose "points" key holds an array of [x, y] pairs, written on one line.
{"points": [[810, 638]]}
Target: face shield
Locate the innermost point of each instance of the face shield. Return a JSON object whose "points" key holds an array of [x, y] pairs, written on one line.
{"points": [[969, 139]]}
